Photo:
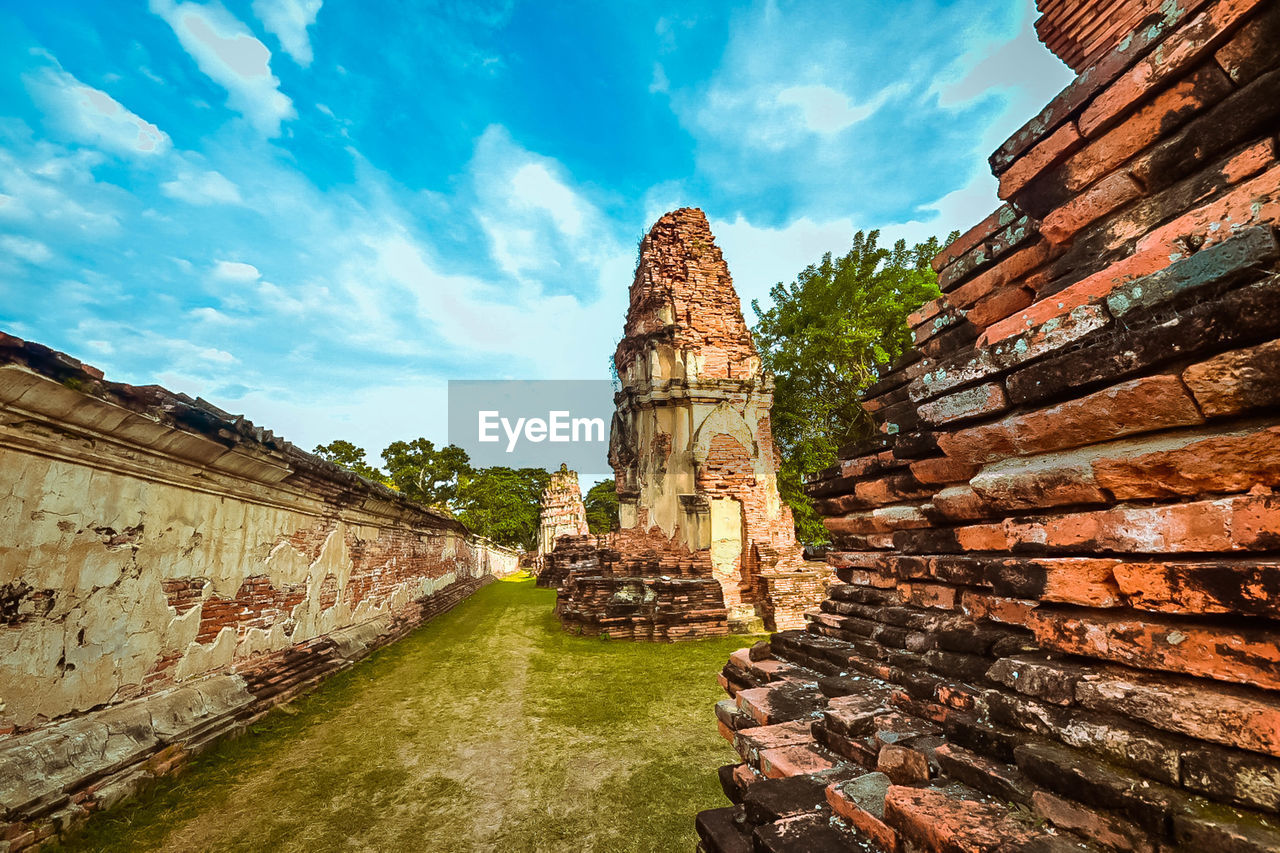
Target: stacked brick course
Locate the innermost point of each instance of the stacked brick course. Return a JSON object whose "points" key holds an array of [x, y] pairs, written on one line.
{"points": [[561, 513], [1056, 627], [705, 541]]}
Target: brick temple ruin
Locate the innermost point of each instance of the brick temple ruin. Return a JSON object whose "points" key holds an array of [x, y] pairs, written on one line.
{"points": [[705, 543], [561, 513], [169, 573], [1056, 627]]}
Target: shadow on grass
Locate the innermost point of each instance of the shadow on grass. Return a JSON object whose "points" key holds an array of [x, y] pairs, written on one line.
{"points": [[487, 729]]}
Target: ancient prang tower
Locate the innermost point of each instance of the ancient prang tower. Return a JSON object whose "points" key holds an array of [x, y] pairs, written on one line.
{"points": [[562, 514], [704, 540]]}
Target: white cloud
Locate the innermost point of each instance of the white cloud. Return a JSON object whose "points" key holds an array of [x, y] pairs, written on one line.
{"points": [[228, 53], [29, 250], [759, 258], [288, 20], [533, 186], [540, 229], [201, 188], [235, 271], [825, 110], [54, 190], [92, 116], [660, 83]]}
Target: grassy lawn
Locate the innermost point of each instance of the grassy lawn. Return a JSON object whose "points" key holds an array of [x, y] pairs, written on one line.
{"points": [[486, 729]]}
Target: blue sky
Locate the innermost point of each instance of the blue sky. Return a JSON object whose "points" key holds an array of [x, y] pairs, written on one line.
{"points": [[315, 214]]}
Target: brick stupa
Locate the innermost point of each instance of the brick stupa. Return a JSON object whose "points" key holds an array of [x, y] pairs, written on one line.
{"points": [[562, 513], [704, 540]]}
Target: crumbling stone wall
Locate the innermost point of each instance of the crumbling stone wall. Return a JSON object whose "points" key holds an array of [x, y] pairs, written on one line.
{"points": [[1057, 622], [561, 513], [168, 572], [704, 537]]}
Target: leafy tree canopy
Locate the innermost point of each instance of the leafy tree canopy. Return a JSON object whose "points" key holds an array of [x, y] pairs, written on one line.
{"points": [[601, 502], [427, 475], [502, 504], [824, 339], [352, 458]]}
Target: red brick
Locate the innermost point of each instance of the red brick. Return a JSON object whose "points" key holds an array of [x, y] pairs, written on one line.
{"points": [[1113, 191], [1178, 53], [924, 313], [1137, 406], [1191, 464], [902, 765], [1093, 79], [1054, 479], [1236, 382], [1008, 270], [1258, 200], [1088, 289], [1112, 832], [1252, 50], [942, 470], [1236, 717], [887, 490], [1214, 586], [866, 822], [935, 595], [962, 503], [1001, 304], [859, 467], [1086, 581], [997, 608], [786, 761], [1247, 523], [938, 822], [1242, 656], [1046, 153], [973, 402], [971, 239], [750, 742], [1167, 111]]}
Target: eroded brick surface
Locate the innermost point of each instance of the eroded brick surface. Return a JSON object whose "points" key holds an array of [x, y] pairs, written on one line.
{"points": [[1055, 625]]}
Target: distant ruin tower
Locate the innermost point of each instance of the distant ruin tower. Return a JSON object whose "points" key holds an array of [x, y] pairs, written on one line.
{"points": [[562, 512], [691, 446]]}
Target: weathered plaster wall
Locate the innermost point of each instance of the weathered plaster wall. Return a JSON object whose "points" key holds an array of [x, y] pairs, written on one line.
{"points": [[149, 542]]}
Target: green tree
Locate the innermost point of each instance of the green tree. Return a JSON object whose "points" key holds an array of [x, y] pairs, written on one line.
{"points": [[825, 337], [502, 504], [427, 475], [601, 502], [352, 458]]}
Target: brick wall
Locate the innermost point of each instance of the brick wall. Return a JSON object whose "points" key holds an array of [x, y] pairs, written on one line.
{"points": [[1060, 556], [168, 572]]}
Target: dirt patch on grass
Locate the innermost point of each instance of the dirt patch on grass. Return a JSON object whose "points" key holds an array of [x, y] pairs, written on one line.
{"points": [[487, 729]]}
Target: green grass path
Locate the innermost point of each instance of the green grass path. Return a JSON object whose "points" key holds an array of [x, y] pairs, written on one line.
{"points": [[487, 729]]}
